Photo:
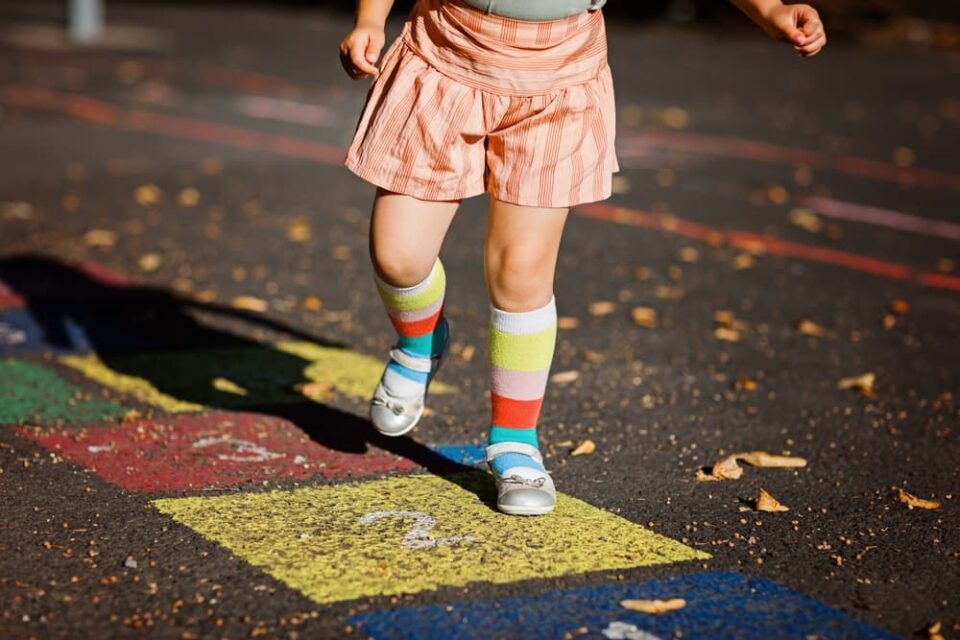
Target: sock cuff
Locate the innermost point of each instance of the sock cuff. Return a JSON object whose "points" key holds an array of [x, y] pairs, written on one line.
{"points": [[423, 294], [525, 322]]}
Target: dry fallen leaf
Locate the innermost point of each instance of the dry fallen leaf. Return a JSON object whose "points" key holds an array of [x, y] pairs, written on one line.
{"points": [[188, 197], [249, 303], [809, 327], [341, 253], [742, 261], [100, 238], [620, 185], [601, 308], [770, 460], [149, 262], [862, 383], [298, 230], [312, 303], [913, 501], [899, 307], [468, 352], [933, 631], [778, 194], [654, 607], [147, 195], [567, 322], [666, 292], [806, 219], [724, 318], [675, 117], [645, 317], [688, 254], [745, 384], [585, 448], [725, 469], [564, 376], [730, 335], [766, 502]]}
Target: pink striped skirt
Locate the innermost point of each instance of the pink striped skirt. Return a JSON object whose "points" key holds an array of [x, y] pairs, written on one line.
{"points": [[468, 102]]}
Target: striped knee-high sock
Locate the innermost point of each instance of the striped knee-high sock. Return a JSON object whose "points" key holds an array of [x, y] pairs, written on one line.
{"points": [[417, 314], [520, 349]]}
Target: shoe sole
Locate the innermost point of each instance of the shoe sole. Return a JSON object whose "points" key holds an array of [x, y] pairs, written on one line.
{"points": [[525, 511]]}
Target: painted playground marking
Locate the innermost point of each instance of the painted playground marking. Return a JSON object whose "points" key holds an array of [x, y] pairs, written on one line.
{"points": [[31, 392], [285, 373], [334, 543], [193, 452], [753, 242], [93, 110], [418, 537], [720, 606]]}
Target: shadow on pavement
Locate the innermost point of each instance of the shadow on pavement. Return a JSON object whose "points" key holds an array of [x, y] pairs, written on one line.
{"points": [[151, 333]]}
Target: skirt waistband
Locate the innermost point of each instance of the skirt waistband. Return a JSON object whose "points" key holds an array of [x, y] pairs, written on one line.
{"points": [[535, 10], [505, 55]]}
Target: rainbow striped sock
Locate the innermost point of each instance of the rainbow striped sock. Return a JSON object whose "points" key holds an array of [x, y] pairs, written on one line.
{"points": [[417, 314], [520, 350]]}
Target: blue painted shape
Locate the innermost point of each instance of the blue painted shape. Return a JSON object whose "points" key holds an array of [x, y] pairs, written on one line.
{"points": [[470, 455], [720, 606], [32, 330]]}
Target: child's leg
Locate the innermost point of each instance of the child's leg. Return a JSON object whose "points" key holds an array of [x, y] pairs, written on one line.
{"points": [[405, 239], [520, 259]]}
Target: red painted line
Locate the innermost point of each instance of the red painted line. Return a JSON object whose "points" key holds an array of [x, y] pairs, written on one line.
{"points": [[93, 110], [217, 449], [755, 242], [775, 154], [204, 131], [883, 217]]}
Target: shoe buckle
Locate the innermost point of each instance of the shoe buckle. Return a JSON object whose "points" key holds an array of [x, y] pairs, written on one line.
{"points": [[394, 407], [536, 483]]}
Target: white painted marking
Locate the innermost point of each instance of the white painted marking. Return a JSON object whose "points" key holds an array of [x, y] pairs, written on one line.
{"points": [[285, 111], [99, 448], [11, 335], [418, 537], [626, 631], [246, 451]]}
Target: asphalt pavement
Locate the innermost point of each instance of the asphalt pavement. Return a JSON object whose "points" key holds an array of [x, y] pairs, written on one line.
{"points": [[189, 334]]}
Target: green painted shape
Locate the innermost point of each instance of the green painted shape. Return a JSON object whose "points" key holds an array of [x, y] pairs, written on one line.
{"points": [[31, 392]]}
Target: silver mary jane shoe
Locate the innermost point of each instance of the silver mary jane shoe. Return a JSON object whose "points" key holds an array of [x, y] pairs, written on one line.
{"points": [[393, 416], [522, 491]]}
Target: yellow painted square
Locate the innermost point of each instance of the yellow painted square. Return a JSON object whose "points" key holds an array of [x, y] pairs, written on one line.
{"points": [[415, 533]]}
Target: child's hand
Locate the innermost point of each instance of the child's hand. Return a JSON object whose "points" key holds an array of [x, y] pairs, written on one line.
{"points": [[800, 25], [360, 50]]}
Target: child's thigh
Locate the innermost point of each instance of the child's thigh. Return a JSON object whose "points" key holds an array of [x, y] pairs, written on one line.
{"points": [[555, 152], [409, 230]]}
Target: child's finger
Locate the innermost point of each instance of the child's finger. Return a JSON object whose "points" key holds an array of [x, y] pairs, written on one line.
{"points": [[814, 46], [374, 46], [358, 60]]}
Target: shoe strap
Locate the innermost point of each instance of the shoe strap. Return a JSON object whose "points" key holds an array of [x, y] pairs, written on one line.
{"points": [[500, 448], [423, 365]]}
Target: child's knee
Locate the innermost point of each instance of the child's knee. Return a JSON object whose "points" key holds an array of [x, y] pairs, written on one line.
{"points": [[401, 266]]}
